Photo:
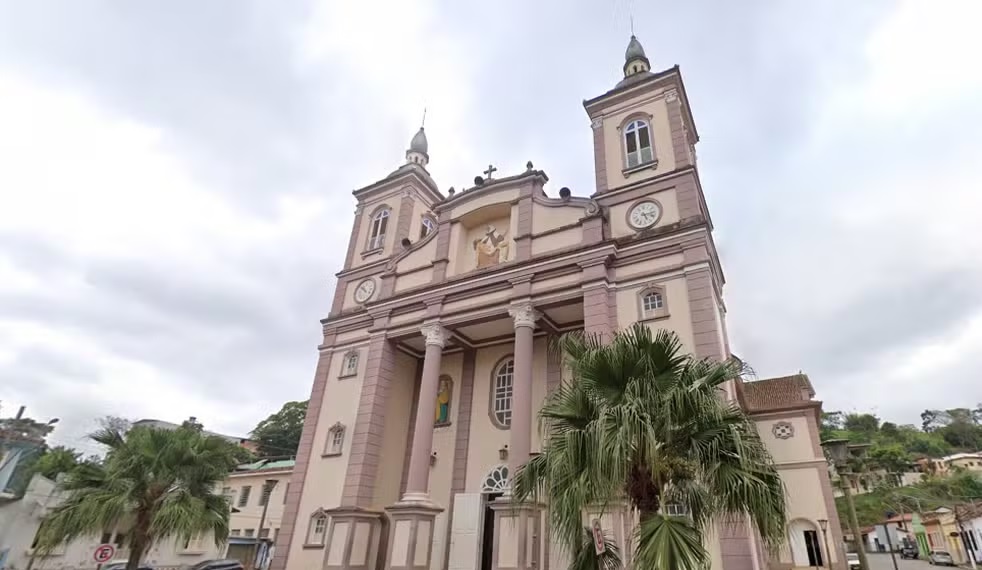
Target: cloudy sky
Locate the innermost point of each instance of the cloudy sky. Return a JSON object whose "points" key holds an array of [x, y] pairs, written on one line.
{"points": [[175, 180]]}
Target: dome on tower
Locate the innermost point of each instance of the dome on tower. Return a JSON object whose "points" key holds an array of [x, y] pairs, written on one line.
{"points": [[636, 64], [634, 50], [419, 144], [418, 147]]}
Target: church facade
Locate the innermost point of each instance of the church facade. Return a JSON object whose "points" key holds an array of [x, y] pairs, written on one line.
{"points": [[434, 357]]}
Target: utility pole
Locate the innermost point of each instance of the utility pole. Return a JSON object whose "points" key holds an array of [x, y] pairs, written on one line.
{"points": [[840, 454], [853, 521], [267, 494], [893, 556]]}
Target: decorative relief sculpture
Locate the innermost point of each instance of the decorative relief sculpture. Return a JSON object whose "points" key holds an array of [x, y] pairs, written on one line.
{"points": [[491, 249]]}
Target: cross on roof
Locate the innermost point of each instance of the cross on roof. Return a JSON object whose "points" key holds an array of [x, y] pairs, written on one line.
{"points": [[491, 170]]}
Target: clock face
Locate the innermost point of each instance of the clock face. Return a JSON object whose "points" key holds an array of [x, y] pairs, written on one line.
{"points": [[365, 290], [644, 215]]}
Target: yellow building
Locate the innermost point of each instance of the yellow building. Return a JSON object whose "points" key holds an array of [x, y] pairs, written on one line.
{"points": [[942, 533]]}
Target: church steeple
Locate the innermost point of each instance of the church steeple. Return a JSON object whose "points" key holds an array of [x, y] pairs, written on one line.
{"points": [[634, 59], [417, 149]]}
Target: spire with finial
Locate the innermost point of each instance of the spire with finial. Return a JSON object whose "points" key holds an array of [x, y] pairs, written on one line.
{"points": [[634, 59], [418, 147]]}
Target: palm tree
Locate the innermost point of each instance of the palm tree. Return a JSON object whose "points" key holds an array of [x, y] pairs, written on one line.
{"points": [[641, 420], [158, 483]]}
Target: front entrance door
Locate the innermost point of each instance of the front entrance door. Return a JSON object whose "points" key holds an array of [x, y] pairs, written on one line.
{"points": [[813, 548], [487, 535]]}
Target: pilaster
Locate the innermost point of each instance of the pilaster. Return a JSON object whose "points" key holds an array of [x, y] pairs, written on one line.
{"points": [[353, 539], [410, 536], [518, 534]]}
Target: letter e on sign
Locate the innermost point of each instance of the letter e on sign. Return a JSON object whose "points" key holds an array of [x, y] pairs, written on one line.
{"points": [[598, 537], [104, 553]]}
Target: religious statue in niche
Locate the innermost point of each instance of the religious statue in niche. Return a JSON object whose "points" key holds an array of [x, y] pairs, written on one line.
{"points": [[491, 249], [443, 394]]}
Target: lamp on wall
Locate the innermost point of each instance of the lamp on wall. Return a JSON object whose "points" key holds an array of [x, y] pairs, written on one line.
{"points": [[503, 452]]}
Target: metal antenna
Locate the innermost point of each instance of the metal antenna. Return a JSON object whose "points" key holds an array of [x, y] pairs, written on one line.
{"points": [[632, 24], [423, 124]]}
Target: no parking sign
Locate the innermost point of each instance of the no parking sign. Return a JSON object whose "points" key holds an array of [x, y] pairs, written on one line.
{"points": [[104, 553]]}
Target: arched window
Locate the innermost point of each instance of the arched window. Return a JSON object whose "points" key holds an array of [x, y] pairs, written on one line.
{"points": [[502, 383], [317, 530], [637, 143], [652, 303], [335, 440], [496, 480], [349, 366], [376, 237], [426, 227]]}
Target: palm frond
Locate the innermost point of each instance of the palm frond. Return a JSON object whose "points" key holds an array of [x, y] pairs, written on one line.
{"points": [[670, 543], [641, 421]]}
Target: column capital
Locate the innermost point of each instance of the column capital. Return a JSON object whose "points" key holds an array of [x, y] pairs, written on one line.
{"points": [[435, 334], [524, 315]]}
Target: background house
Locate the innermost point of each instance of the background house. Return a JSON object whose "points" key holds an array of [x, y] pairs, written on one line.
{"points": [[246, 489]]}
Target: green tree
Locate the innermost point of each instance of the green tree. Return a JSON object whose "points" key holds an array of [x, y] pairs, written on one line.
{"points": [[279, 434], [158, 483], [832, 422], [863, 427], [56, 461], [892, 457], [640, 419]]}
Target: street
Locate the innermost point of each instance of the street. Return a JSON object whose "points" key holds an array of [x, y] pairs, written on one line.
{"points": [[883, 562]]}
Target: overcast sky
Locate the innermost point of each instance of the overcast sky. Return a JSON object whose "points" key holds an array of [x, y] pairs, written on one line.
{"points": [[175, 181]]}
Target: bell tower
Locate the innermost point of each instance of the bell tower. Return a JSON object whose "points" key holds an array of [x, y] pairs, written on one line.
{"points": [[642, 128]]}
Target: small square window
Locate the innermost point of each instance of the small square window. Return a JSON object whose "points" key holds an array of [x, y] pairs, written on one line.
{"points": [[652, 303], [349, 366], [335, 440]]}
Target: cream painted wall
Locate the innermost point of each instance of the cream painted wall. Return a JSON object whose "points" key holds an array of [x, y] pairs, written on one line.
{"points": [[248, 517], [396, 431], [392, 199], [419, 209], [540, 387], [485, 438], [793, 450], [647, 267], [325, 475], [482, 301], [417, 259], [495, 197], [670, 212], [548, 285], [441, 474], [614, 143], [420, 277], [403, 318], [679, 319], [804, 501], [558, 240], [545, 218]]}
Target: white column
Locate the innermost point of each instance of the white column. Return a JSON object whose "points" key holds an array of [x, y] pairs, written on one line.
{"points": [[520, 437]]}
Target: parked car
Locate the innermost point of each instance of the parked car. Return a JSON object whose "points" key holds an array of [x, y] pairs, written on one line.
{"points": [[121, 565], [940, 558], [225, 564], [909, 552], [853, 559]]}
